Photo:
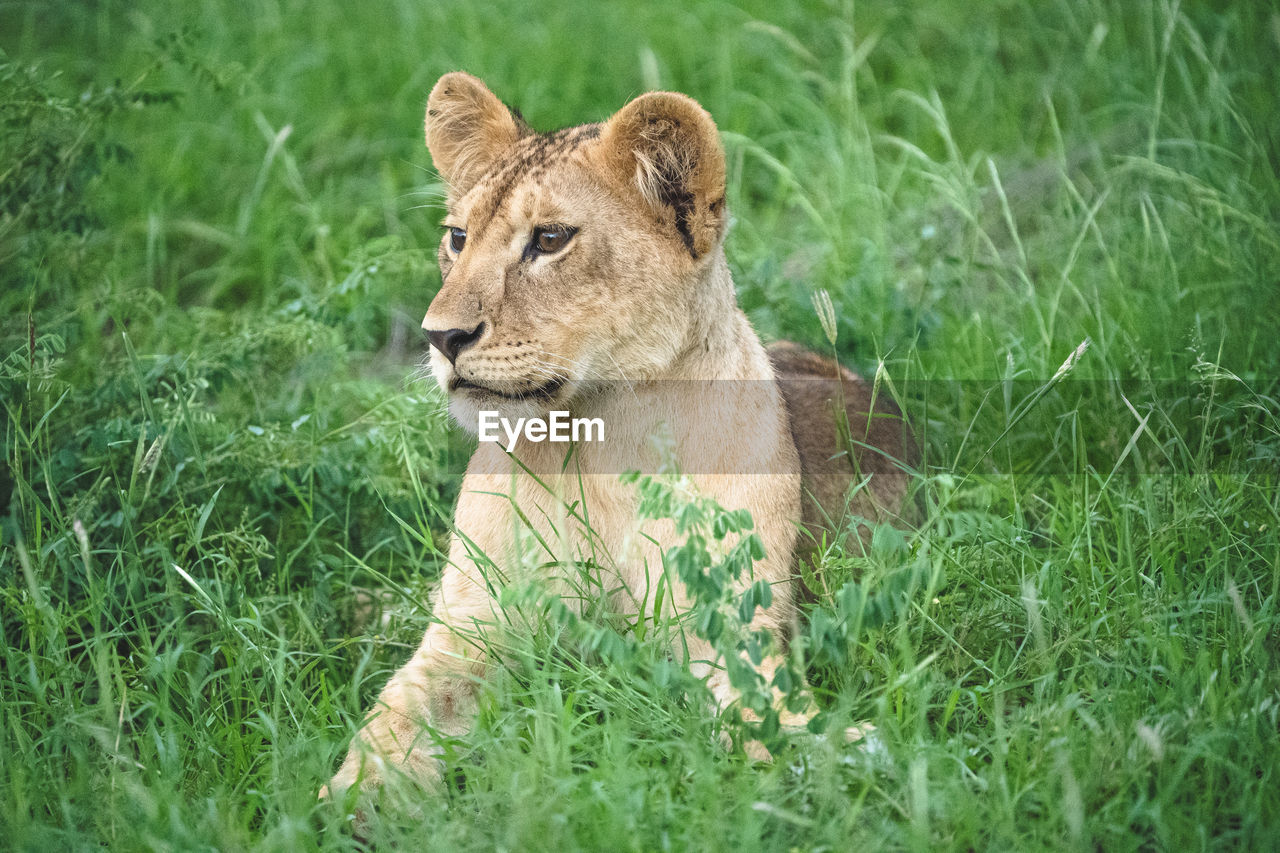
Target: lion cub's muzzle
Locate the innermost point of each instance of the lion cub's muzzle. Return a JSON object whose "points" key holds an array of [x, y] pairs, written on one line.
{"points": [[485, 369]]}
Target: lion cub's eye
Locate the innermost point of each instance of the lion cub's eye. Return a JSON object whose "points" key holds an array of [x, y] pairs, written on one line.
{"points": [[457, 239], [552, 238]]}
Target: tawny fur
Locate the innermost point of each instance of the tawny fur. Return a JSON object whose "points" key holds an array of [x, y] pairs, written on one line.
{"points": [[875, 447], [635, 322]]}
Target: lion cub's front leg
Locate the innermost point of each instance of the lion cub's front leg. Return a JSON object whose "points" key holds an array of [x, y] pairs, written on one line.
{"points": [[432, 695]]}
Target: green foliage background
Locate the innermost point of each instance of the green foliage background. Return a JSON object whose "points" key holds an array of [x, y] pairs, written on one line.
{"points": [[217, 225]]}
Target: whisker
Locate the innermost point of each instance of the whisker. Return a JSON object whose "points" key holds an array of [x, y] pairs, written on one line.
{"points": [[543, 353]]}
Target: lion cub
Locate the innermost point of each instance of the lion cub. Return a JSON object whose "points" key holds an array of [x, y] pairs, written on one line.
{"points": [[584, 272]]}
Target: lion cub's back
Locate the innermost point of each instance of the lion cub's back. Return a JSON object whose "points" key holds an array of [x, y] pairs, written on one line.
{"points": [[812, 386]]}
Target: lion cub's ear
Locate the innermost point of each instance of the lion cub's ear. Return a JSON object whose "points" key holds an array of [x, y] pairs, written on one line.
{"points": [[468, 128], [666, 146]]}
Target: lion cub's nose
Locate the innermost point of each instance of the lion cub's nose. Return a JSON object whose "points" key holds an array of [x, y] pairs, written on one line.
{"points": [[453, 341]]}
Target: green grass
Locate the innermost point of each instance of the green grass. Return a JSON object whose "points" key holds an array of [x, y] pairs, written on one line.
{"points": [[216, 241]]}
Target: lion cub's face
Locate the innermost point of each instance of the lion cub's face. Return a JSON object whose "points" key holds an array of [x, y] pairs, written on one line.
{"points": [[569, 258]]}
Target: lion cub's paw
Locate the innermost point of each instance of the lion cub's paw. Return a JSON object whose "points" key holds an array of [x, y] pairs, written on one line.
{"points": [[866, 738], [367, 785], [361, 769]]}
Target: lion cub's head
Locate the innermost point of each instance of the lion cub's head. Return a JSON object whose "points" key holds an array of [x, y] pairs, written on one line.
{"points": [[568, 258]]}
